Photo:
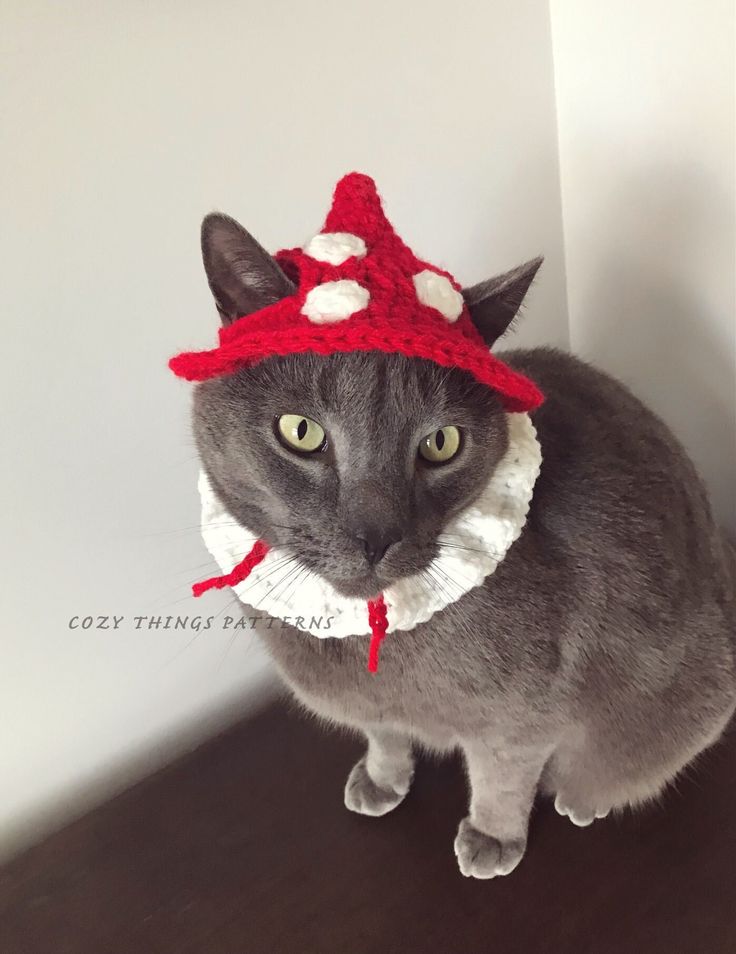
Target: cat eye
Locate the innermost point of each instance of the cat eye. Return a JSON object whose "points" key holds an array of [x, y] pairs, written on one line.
{"points": [[441, 445], [301, 433]]}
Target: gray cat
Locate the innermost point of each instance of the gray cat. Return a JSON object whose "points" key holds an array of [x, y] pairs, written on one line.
{"points": [[595, 662]]}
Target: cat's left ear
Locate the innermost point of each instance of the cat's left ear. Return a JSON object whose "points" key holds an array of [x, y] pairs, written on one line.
{"points": [[493, 304]]}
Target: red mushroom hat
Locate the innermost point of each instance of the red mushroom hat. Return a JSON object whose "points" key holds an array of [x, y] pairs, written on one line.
{"points": [[360, 288]]}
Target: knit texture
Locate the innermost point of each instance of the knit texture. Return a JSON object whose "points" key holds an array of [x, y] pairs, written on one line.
{"points": [[239, 573], [393, 321], [377, 615], [378, 622]]}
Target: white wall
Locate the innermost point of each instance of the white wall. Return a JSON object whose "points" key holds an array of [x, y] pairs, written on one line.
{"points": [[127, 123], [645, 102]]}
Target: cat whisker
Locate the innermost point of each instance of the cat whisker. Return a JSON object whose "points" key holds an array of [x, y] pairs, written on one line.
{"points": [[438, 582], [439, 571], [465, 584], [280, 584], [280, 564], [425, 580], [299, 578], [285, 564], [163, 600], [443, 542], [195, 527], [433, 582], [195, 637], [199, 568], [232, 639], [179, 652]]}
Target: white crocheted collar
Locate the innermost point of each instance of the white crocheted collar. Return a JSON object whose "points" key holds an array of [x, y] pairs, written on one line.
{"points": [[478, 539]]}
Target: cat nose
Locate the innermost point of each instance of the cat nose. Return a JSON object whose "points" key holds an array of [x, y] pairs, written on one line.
{"points": [[376, 543]]}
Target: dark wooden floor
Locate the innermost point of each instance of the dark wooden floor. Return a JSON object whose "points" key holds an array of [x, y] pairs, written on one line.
{"points": [[244, 846]]}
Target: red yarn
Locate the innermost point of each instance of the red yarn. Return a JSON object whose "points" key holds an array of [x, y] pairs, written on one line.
{"points": [[377, 614], [237, 574], [356, 208], [394, 321], [378, 620]]}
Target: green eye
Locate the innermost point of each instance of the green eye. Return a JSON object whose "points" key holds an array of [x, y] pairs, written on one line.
{"points": [[441, 445], [301, 433]]}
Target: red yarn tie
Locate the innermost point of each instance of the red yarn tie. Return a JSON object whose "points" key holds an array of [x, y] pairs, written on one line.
{"points": [[378, 620], [237, 574], [377, 612]]}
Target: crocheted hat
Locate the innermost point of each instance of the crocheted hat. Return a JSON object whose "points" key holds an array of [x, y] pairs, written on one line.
{"points": [[360, 288]]}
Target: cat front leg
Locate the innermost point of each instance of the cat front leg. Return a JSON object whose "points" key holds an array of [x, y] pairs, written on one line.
{"points": [[382, 778], [503, 781]]}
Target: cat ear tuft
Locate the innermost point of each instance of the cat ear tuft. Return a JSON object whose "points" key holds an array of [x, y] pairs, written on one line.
{"points": [[494, 303], [242, 276]]}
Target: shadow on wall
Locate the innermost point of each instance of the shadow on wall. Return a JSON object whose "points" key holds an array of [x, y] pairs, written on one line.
{"points": [[658, 312]]}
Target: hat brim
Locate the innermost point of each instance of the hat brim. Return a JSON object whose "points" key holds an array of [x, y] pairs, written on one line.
{"points": [[464, 351]]}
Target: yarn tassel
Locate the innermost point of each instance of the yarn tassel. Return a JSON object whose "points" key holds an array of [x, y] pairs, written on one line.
{"points": [[237, 574], [378, 620]]}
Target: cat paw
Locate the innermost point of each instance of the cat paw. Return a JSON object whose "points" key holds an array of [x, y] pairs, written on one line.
{"points": [[580, 816], [483, 856], [362, 795]]}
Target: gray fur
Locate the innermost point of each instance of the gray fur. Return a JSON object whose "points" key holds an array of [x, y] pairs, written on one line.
{"points": [[593, 665], [495, 302]]}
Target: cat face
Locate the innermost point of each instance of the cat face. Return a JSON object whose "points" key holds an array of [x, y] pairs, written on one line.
{"points": [[353, 462], [391, 448]]}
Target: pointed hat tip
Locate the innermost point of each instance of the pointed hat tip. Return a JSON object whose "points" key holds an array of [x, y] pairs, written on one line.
{"points": [[356, 208], [357, 183]]}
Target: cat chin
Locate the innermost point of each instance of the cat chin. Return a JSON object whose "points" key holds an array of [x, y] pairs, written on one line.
{"points": [[364, 587]]}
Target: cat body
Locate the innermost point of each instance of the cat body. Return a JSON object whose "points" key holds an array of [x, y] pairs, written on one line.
{"points": [[598, 659], [593, 664]]}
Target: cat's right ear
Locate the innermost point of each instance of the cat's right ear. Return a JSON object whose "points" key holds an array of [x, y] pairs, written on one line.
{"points": [[242, 276]]}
